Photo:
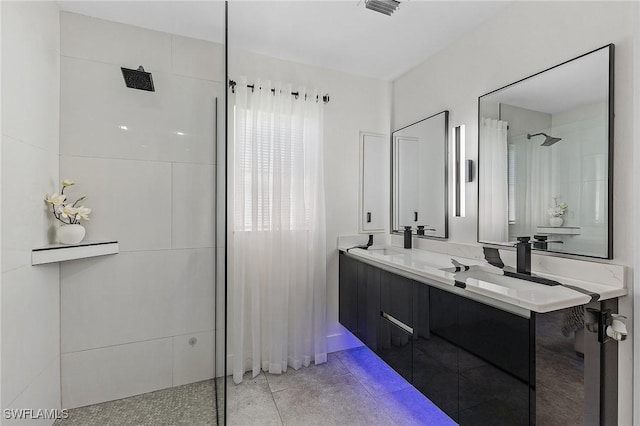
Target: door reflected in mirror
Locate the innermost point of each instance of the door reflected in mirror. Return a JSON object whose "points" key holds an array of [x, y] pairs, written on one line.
{"points": [[419, 176], [545, 158]]}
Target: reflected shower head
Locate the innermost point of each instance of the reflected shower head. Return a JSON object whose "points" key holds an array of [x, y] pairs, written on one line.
{"points": [[549, 140]]}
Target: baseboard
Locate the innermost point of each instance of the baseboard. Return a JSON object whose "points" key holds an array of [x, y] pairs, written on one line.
{"points": [[341, 341]]}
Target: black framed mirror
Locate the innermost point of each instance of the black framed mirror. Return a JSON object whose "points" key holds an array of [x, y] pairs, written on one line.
{"points": [[545, 162], [419, 172]]}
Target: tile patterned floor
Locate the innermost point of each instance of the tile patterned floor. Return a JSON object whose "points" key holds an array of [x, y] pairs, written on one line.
{"points": [[354, 387], [188, 405]]}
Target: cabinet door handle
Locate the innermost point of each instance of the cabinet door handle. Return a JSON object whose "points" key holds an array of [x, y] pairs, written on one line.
{"points": [[368, 217], [404, 327], [415, 216]]}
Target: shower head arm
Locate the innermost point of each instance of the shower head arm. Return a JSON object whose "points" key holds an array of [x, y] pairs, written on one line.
{"points": [[529, 135]]}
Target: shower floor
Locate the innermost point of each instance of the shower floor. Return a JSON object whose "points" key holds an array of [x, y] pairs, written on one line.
{"points": [[188, 405]]}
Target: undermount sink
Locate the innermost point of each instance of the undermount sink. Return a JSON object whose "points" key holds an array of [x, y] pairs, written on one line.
{"points": [[385, 251]]}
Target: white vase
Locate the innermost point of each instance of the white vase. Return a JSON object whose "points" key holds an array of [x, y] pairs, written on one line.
{"points": [[556, 221], [71, 234]]}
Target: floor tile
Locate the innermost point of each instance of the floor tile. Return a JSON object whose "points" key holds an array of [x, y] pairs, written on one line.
{"points": [[409, 407], [307, 376], [341, 400], [251, 403], [374, 374]]}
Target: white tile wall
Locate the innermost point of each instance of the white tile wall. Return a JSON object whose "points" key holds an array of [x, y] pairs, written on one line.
{"points": [[136, 296], [115, 372], [192, 363], [197, 58], [30, 328], [130, 200], [174, 123], [44, 392], [30, 134], [193, 201], [110, 42], [31, 172], [30, 74]]}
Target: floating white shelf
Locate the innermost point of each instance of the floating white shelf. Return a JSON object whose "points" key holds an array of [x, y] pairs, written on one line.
{"points": [[559, 230], [60, 252]]}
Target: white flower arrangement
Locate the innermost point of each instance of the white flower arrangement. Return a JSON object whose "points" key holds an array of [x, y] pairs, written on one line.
{"points": [[67, 213], [559, 209]]}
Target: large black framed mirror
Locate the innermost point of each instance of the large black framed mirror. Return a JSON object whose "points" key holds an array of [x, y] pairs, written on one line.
{"points": [[545, 163], [419, 156]]}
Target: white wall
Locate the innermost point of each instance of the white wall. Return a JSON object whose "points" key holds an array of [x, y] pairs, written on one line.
{"points": [[147, 162], [522, 39], [30, 294], [357, 104]]}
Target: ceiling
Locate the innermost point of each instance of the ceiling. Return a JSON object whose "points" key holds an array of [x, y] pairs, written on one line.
{"points": [[340, 35]]}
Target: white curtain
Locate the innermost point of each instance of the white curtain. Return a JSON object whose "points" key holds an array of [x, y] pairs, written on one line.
{"points": [[278, 263], [493, 216], [533, 189]]}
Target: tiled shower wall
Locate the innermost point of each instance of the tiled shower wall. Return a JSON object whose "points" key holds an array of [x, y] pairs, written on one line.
{"points": [[147, 163], [30, 294]]}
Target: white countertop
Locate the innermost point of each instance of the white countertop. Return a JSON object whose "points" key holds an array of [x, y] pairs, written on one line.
{"points": [[484, 282]]}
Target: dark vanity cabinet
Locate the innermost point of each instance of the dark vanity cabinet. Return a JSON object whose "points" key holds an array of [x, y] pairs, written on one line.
{"points": [[395, 319], [488, 351], [474, 361], [368, 302], [435, 355], [359, 299], [348, 293]]}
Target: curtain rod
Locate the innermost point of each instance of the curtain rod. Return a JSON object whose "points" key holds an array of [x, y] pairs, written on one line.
{"points": [[232, 85]]}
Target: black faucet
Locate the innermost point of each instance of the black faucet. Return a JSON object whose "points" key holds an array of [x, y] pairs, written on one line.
{"points": [[523, 250], [364, 246], [523, 265], [369, 242], [407, 237]]}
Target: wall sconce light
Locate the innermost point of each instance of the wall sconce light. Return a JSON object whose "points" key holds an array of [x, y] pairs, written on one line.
{"points": [[460, 167]]}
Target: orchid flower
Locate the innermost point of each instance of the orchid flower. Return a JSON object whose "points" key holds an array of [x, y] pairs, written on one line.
{"points": [[55, 199], [82, 212], [68, 212]]}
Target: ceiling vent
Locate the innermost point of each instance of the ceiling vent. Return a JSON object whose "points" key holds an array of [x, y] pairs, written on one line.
{"points": [[383, 6]]}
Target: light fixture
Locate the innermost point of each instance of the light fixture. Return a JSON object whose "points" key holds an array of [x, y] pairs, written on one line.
{"points": [[459, 170], [383, 6], [123, 127]]}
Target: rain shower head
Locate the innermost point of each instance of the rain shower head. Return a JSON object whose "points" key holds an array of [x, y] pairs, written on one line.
{"points": [[383, 6], [549, 140], [138, 79]]}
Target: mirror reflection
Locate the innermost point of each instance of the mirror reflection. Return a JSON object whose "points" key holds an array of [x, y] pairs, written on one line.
{"points": [[544, 158], [420, 177]]}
